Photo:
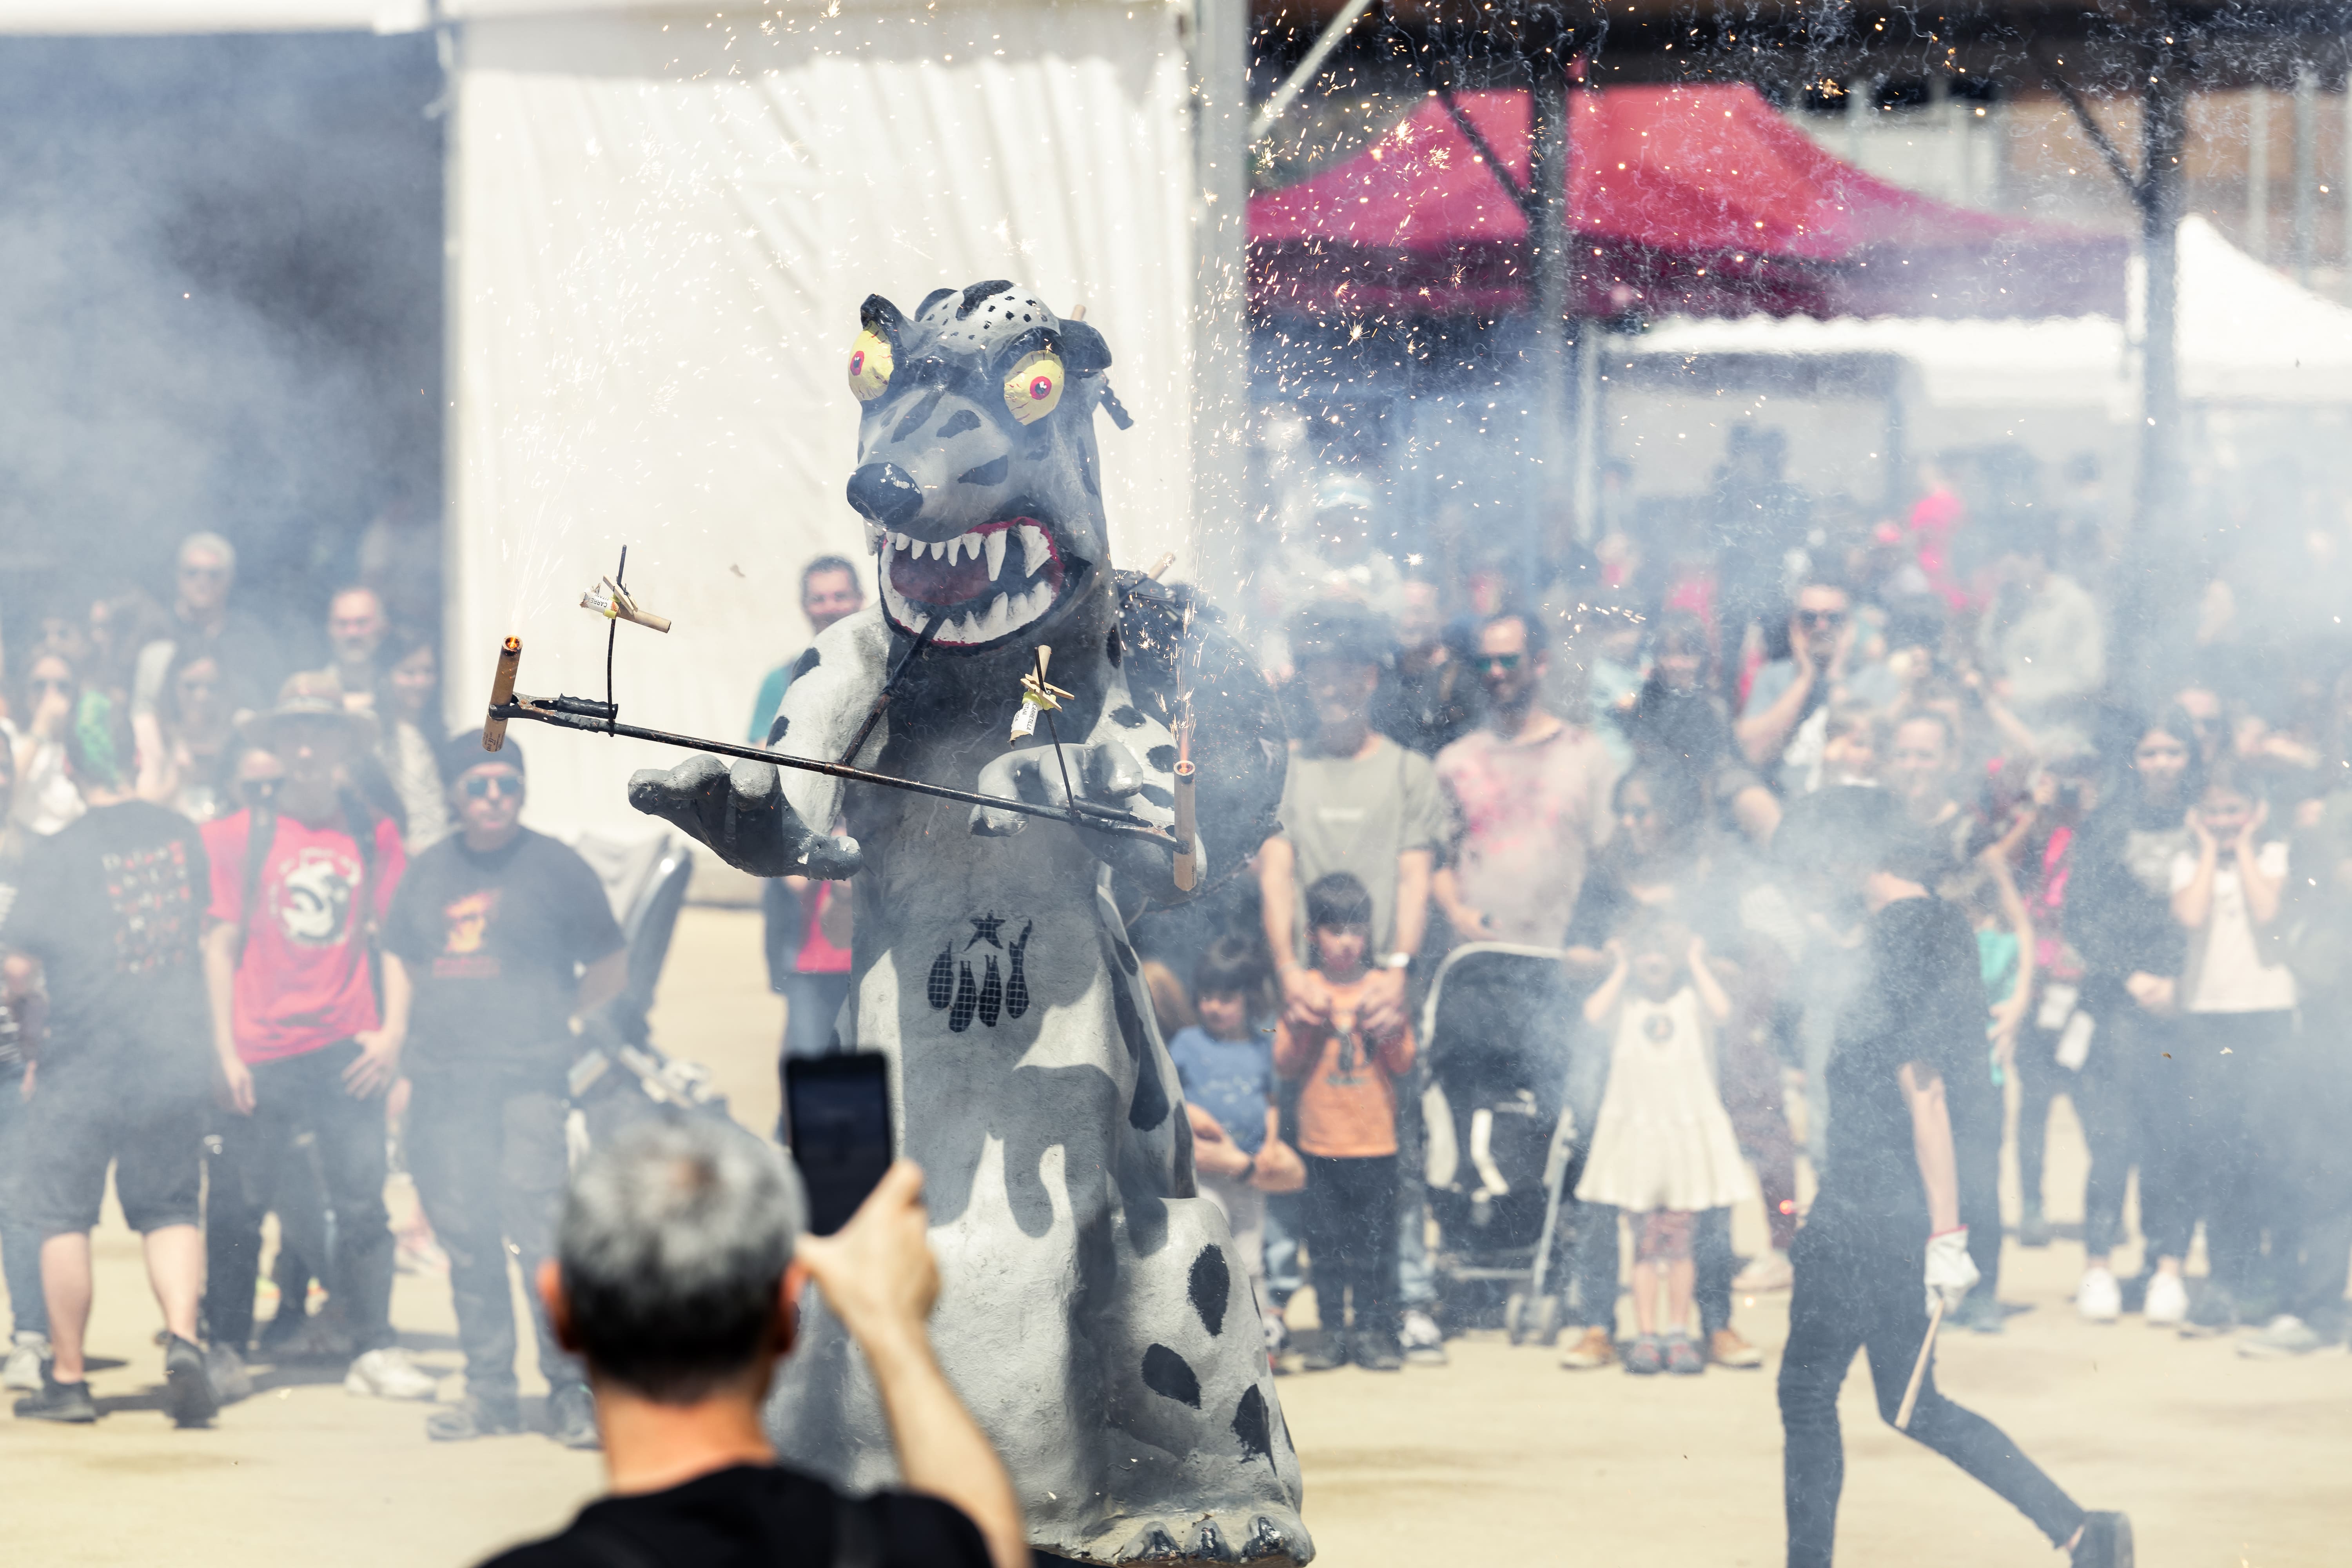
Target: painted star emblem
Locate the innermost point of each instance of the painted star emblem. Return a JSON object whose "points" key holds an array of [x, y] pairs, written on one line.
{"points": [[984, 929]]}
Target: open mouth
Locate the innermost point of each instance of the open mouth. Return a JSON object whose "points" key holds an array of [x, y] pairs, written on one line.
{"points": [[984, 585]]}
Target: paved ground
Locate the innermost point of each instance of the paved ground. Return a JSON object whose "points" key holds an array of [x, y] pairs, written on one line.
{"points": [[1498, 1458]]}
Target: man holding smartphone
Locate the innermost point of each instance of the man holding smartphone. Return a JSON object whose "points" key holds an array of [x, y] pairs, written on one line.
{"points": [[679, 1279], [505, 938]]}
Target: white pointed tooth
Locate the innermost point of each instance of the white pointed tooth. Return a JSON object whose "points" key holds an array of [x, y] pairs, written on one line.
{"points": [[969, 544], [994, 545], [955, 550], [919, 622], [1035, 552], [900, 542], [1000, 617], [967, 629]]}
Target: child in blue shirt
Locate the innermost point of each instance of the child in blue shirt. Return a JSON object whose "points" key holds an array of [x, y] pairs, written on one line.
{"points": [[1226, 1064]]}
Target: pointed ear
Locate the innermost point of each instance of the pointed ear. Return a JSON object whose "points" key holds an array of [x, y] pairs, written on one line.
{"points": [[1084, 353], [880, 317]]}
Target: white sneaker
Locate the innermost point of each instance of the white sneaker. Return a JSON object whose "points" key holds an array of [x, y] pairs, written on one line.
{"points": [[26, 1357], [388, 1373], [1765, 1272], [1423, 1345], [2167, 1302], [2098, 1298]]}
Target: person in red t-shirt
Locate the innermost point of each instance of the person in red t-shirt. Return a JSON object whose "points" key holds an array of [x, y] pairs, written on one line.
{"points": [[297, 890]]}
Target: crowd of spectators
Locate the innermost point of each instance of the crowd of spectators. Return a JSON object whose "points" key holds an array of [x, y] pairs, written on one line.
{"points": [[267, 931], [271, 921], [1590, 765]]}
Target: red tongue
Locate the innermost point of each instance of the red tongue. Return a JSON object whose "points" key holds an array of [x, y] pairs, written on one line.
{"points": [[939, 581]]}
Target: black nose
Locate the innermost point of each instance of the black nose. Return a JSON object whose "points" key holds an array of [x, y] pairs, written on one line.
{"points": [[886, 493]]}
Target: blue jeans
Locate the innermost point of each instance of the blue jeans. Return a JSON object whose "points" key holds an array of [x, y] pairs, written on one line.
{"points": [[20, 1244], [1284, 1225]]}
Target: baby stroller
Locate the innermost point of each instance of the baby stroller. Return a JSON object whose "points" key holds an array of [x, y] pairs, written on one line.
{"points": [[1499, 1134]]}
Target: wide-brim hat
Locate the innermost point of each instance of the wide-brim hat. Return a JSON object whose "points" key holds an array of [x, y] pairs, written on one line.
{"points": [[311, 694]]}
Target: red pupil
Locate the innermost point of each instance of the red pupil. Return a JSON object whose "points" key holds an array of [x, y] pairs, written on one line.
{"points": [[857, 363], [1041, 386]]}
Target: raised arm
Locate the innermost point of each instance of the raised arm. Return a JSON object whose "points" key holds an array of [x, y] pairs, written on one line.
{"points": [[1603, 999], [2262, 889], [2194, 903], [1764, 735]]}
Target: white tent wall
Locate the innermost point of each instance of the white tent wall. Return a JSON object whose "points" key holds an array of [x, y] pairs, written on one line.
{"points": [[661, 226]]}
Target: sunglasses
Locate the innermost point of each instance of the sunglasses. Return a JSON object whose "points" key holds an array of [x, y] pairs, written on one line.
{"points": [[482, 786], [1822, 618], [1488, 663], [46, 685]]}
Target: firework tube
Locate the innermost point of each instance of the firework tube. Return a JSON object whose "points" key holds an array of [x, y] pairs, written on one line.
{"points": [[494, 729], [1187, 868]]}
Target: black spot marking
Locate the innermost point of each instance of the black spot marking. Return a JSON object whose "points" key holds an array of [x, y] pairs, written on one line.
{"points": [[1126, 717], [776, 730], [1016, 990], [1125, 955], [918, 415], [1250, 1424], [1162, 757], [961, 420], [967, 1000], [933, 298], [991, 994], [807, 661], [1168, 1375], [987, 473], [1158, 797], [1150, 1106], [1111, 648], [1213, 1283], [942, 989], [979, 292]]}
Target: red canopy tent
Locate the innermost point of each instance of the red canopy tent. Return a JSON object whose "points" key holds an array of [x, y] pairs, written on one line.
{"points": [[1682, 200]]}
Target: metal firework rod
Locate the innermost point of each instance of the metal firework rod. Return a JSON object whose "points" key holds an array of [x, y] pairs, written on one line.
{"points": [[595, 718]]}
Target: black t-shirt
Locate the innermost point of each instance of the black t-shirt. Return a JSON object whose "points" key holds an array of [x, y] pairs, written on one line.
{"points": [[1921, 1000], [492, 942], [757, 1516], [113, 906]]}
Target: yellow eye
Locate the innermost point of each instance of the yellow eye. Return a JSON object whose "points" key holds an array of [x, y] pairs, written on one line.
{"points": [[1033, 386], [869, 366]]}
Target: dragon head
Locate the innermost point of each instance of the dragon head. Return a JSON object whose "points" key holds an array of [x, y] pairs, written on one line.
{"points": [[977, 469]]}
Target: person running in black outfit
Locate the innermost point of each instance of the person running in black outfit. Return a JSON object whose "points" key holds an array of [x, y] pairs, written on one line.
{"points": [[1887, 1214]]}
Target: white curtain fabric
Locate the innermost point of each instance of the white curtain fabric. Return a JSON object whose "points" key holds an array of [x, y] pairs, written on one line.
{"points": [[662, 226]]}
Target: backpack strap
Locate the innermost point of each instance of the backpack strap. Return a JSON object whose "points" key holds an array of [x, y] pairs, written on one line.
{"points": [[260, 829]]}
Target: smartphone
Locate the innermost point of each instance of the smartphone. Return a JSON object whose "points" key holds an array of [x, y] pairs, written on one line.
{"points": [[837, 1116]]}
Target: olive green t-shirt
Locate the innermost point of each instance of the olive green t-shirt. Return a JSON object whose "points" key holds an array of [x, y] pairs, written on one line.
{"points": [[1358, 814]]}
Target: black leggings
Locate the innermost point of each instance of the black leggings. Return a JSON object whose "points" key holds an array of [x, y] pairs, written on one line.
{"points": [[1351, 1240], [1859, 1288]]}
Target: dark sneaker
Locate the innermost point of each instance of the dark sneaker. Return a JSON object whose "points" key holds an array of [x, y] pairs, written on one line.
{"points": [[571, 1416], [1378, 1351], [226, 1370], [2212, 1311], [1682, 1356], [1647, 1357], [188, 1394], [474, 1416], [69, 1402], [1981, 1313], [2033, 1227], [2105, 1542], [1330, 1351]]}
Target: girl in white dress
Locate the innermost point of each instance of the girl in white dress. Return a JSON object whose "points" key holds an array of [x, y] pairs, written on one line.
{"points": [[1662, 1147]]}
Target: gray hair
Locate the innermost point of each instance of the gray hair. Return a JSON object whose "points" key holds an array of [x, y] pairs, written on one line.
{"points": [[673, 1246], [208, 543]]}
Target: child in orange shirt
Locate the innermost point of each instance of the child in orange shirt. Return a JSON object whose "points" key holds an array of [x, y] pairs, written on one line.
{"points": [[1347, 1131]]}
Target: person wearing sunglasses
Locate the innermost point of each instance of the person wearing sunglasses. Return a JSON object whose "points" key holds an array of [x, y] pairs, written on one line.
{"points": [[300, 882], [46, 798], [1528, 797], [1786, 721], [506, 940]]}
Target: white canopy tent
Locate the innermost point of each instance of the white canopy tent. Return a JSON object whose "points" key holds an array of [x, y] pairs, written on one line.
{"points": [[661, 222], [2249, 337]]}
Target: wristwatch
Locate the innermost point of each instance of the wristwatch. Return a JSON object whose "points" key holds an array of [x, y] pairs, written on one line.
{"points": [[1397, 961]]}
